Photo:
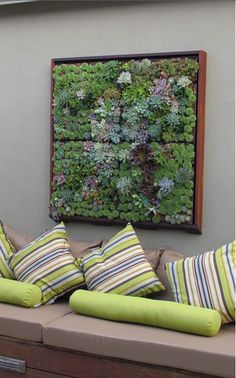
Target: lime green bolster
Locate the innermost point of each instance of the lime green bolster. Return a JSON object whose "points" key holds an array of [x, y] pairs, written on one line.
{"points": [[19, 293], [171, 315]]}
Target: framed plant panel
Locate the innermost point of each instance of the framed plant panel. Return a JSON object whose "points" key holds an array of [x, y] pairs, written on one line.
{"points": [[127, 139]]}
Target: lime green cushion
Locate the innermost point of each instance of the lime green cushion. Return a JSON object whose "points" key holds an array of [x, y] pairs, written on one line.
{"points": [[121, 267], [19, 293], [162, 314], [207, 280], [6, 251], [48, 263]]}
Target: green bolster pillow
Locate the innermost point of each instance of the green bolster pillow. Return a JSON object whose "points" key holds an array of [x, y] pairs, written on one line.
{"points": [[171, 315], [19, 293]]}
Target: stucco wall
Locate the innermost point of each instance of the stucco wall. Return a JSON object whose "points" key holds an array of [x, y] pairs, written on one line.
{"points": [[31, 34]]}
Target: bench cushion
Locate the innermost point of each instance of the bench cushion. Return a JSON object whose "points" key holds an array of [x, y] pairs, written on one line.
{"points": [[144, 344], [27, 323]]}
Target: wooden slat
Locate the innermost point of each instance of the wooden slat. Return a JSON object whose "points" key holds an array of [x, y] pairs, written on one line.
{"points": [[200, 140], [41, 359], [31, 373]]}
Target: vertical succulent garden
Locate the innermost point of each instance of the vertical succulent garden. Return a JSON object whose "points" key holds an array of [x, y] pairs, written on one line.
{"points": [[124, 140]]}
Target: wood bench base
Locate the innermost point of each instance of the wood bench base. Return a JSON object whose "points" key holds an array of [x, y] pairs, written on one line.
{"points": [[43, 361]]}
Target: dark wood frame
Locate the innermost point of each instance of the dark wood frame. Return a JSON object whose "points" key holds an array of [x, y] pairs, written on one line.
{"points": [[43, 361], [201, 57]]}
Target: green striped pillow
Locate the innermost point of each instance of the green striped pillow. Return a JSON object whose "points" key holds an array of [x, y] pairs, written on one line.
{"points": [[48, 263], [206, 280], [6, 250], [120, 267]]}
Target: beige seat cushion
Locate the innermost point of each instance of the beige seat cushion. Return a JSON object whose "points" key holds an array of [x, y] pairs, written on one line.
{"points": [[209, 355], [27, 323]]}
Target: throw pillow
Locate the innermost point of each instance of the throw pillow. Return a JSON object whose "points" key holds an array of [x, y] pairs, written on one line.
{"points": [[48, 263], [206, 280], [120, 267], [6, 250]]}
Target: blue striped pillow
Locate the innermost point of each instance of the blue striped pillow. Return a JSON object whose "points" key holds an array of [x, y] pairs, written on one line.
{"points": [[206, 280], [48, 263]]}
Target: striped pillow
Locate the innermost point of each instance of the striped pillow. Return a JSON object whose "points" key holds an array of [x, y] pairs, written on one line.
{"points": [[206, 280], [48, 263], [120, 267], [6, 250]]}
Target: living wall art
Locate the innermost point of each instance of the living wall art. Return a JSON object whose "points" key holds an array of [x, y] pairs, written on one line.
{"points": [[127, 139]]}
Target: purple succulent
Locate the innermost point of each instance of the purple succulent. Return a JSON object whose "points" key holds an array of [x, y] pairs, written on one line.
{"points": [[174, 106], [142, 136], [141, 153], [100, 101], [88, 145], [92, 117], [110, 123], [59, 203], [84, 194], [53, 213], [162, 87], [59, 178], [90, 181]]}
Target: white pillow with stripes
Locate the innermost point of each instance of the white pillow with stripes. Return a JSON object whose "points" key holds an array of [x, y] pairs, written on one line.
{"points": [[120, 267], [48, 263], [206, 280]]}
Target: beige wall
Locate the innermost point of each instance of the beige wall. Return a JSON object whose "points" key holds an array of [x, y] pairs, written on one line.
{"points": [[31, 34]]}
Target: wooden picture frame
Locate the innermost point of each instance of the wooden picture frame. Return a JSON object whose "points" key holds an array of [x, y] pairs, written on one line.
{"points": [[80, 86]]}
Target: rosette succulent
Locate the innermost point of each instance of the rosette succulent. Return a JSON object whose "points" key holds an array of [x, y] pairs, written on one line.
{"points": [[165, 186], [124, 78]]}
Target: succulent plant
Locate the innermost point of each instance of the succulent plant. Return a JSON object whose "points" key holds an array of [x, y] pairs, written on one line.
{"points": [[141, 153], [183, 81], [124, 184], [165, 186], [145, 64], [59, 179], [53, 213], [172, 119], [124, 78], [183, 175], [80, 94], [67, 196]]}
